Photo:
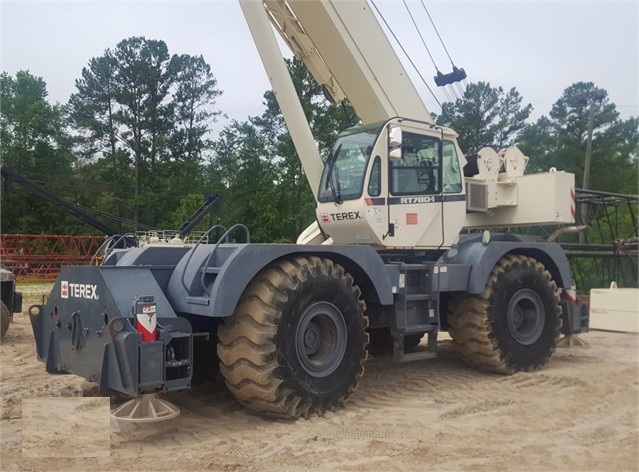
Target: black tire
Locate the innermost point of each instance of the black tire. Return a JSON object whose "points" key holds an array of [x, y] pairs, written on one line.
{"points": [[515, 324], [295, 345], [5, 319], [381, 341]]}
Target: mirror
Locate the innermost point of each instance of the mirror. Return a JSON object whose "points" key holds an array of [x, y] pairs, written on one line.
{"points": [[395, 154], [394, 143], [394, 137]]}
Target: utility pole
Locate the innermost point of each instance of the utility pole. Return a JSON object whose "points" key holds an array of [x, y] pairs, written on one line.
{"points": [[595, 96]]}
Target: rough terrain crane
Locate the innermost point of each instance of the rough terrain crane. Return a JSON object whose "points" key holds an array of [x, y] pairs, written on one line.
{"points": [[402, 248]]}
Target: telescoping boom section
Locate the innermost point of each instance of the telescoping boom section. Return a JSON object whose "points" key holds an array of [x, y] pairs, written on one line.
{"points": [[346, 50]]}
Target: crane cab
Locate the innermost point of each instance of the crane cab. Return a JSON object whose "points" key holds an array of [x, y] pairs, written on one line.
{"points": [[395, 184]]}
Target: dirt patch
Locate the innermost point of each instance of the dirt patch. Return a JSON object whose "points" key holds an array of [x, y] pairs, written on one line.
{"points": [[578, 413]]}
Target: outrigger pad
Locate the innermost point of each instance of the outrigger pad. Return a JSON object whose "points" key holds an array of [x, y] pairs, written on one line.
{"points": [[147, 408], [572, 340]]}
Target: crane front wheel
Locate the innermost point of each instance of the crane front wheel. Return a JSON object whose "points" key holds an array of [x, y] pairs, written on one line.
{"points": [[514, 324]]}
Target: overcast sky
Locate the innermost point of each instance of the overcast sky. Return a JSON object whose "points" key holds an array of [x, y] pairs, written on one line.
{"points": [[538, 47]]}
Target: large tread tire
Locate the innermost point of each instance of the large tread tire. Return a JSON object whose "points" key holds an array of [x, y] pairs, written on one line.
{"points": [[263, 351], [5, 319], [514, 324]]}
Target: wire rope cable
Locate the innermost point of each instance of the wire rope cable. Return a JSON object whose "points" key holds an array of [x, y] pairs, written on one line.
{"points": [[437, 31], [406, 54], [420, 35]]}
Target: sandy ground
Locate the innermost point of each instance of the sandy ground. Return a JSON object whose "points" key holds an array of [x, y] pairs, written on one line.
{"points": [[579, 413]]}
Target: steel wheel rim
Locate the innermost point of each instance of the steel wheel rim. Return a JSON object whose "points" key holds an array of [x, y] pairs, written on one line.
{"points": [[320, 339], [526, 317]]}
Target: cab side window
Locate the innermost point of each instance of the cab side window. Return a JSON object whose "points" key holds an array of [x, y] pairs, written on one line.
{"points": [[451, 173]]}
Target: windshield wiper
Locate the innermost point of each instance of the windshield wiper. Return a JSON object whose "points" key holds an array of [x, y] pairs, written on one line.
{"points": [[338, 191], [329, 177]]}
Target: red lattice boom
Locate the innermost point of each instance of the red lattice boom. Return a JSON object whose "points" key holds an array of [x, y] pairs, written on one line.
{"points": [[40, 256]]}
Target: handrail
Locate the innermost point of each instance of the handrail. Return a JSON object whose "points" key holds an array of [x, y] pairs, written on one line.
{"points": [[192, 251], [109, 249], [224, 236]]}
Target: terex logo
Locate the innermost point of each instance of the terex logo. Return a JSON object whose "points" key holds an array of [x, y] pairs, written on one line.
{"points": [[74, 290], [351, 215]]}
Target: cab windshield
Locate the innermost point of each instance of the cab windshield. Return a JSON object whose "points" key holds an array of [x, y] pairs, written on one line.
{"points": [[343, 176]]}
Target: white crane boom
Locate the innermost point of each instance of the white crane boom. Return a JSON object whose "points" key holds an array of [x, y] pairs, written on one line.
{"points": [[296, 122], [346, 50]]}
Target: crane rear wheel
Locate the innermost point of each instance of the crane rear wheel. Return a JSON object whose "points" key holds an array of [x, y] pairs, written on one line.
{"points": [[295, 345]]}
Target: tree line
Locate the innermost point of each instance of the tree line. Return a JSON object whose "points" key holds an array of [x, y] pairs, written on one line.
{"points": [[135, 141]]}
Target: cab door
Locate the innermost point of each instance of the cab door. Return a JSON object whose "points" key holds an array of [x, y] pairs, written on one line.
{"points": [[376, 212], [415, 193]]}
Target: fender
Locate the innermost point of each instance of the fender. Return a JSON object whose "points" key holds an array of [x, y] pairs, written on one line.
{"points": [[233, 266], [483, 257]]}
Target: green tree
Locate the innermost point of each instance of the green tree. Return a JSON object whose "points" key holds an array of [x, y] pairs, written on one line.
{"points": [[485, 116], [143, 80], [245, 174], [560, 140], [538, 141], [35, 144], [327, 120], [148, 114], [285, 204], [194, 94], [92, 111]]}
